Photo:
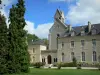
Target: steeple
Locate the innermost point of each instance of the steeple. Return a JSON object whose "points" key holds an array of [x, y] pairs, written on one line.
{"points": [[59, 15]]}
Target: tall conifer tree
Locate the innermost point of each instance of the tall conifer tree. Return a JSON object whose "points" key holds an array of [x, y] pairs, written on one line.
{"points": [[18, 53], [3, 45]]}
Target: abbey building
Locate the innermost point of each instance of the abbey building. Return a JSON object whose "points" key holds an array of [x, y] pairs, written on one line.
{"points": [[66, 42]]}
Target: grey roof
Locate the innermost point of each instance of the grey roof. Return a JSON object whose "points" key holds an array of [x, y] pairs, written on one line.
{"points": [[78, 29], [37, 42]]}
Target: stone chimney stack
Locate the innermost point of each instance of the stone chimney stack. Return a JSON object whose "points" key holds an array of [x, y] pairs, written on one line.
{"points": [[89, 26], [69, 27]]}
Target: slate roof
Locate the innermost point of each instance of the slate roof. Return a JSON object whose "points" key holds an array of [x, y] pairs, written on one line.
{"points": [[78, 29], [37, 42]]}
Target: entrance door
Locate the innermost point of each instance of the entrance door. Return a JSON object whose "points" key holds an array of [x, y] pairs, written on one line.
{"points": [[49, 59]]}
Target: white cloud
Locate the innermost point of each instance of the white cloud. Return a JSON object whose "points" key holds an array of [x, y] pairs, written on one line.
{"points": [[7, 2], [41, 31], [84, 11], [29, 27], [4, 11]]}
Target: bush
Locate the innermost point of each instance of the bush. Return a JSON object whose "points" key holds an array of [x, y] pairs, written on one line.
{"points": [[71, 64], [38, 64], [74, 61], [59, 65], [79, 66]]}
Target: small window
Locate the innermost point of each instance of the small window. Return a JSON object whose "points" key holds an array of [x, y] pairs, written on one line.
{"points": [[83, 56], [82, 42], [72, 55], [94, 42], [33, 50], [58, 35], [62, 44], [72, 33], [94, 56], [60, 18], [62, 57], [72, 43], [56, 59], [82, 33]]}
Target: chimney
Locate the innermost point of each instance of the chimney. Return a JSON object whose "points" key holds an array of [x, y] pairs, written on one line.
{"points": [[69, 28], [89, 26]]}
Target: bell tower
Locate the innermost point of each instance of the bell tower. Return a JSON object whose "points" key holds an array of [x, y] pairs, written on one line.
{"points": [[59, 15]]}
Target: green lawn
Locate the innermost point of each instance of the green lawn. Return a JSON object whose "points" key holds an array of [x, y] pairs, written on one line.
{"points": [[60, 72]]}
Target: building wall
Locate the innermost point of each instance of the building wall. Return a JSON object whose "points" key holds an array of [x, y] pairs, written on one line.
{"points": [[56, 29], [35, 56], [88, 48], [42, 47], [45, 55]]}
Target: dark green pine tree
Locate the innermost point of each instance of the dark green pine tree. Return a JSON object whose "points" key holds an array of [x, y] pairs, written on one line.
{"points": [[18, 49], [3, 45]]}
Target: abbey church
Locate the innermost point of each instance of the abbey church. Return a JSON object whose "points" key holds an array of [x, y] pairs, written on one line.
{"points": [[66, 42]]}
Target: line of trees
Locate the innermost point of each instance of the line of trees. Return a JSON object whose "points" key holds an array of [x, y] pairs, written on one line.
{"points": [[14, 57]]}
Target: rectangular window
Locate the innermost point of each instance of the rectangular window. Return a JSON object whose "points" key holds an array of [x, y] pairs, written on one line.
{"points": [[82, 42], [94, 42], [33, 50], [72, 43], [83, 56], [82, 33]]}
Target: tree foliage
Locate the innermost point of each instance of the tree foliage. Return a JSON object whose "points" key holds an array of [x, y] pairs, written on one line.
{"points": [[18, 53], [31, 37], [3, 45]]}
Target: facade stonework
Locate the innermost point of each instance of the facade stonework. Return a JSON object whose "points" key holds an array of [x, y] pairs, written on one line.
{"points": [[66, 42]]}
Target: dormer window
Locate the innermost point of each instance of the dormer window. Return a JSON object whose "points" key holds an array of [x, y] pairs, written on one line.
{"points": [[93, 31], [72, 33], [82, 33]]}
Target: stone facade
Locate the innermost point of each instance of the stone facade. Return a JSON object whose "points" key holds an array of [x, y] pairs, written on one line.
{"points": [[66, 42]]}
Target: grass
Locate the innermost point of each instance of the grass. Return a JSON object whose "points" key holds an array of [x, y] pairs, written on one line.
{"points": [[60, 72]]}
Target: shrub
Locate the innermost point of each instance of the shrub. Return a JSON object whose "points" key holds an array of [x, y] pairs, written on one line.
{"points": [[59, 65], [71, 64], [38, 64], [79, 66], [74, 61]]}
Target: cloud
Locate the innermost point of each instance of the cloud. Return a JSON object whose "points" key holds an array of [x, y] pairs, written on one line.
{"points": [[7, 2], [5, 11], [29, 27], [84, 11], [41, 31]]}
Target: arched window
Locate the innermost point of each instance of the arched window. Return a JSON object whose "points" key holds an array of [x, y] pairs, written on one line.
{"points": [[72, 55], [42, 60], [56, 59], [94, 56], [62, 57], [83, 56]]}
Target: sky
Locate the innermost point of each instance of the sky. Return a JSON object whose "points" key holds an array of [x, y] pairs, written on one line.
{"points": [[39, 14]]}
